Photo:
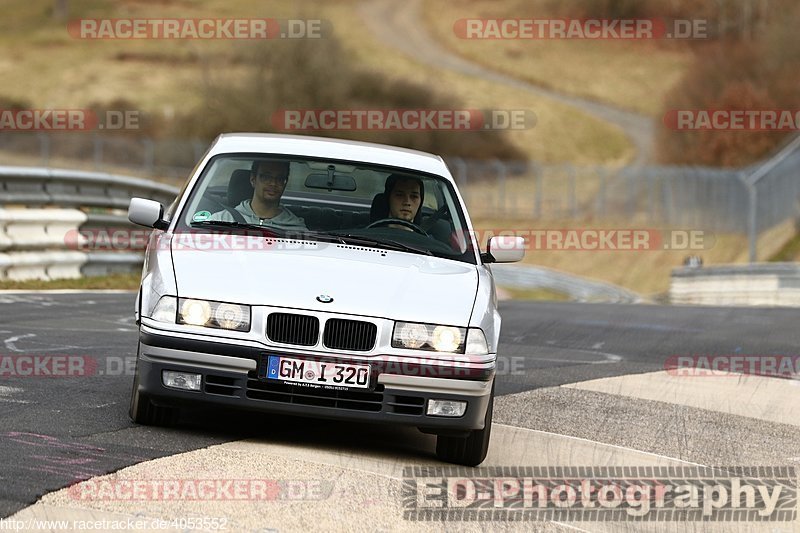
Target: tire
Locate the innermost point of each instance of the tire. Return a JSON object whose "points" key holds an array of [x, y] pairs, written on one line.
{"points": [[470, 450], [144, 411]]}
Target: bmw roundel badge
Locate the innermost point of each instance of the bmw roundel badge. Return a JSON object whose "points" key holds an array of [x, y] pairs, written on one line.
{"points": [[324, 299]]}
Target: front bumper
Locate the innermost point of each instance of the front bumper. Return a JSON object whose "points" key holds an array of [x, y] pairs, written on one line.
{"points": [[232, 380]]}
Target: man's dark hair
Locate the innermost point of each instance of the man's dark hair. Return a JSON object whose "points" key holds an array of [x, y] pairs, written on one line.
{"points": [[276, 162]]}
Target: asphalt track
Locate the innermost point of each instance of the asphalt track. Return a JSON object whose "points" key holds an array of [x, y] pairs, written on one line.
{"points": [[566, 370]]}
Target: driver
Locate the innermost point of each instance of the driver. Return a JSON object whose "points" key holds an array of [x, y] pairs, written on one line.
{"points": [[268, 179], [404, 195]]}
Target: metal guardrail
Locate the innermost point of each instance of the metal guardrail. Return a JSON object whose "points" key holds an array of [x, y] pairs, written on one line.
{"points": [[577, 288], [46, 213], [70, 188]]}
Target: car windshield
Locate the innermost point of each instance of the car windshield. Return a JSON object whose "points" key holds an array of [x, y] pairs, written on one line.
{"points": [[338, 201]]}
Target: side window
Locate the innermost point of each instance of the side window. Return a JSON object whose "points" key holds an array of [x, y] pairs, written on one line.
{"points": [[210, 194], [174, 205], [431, 194]]}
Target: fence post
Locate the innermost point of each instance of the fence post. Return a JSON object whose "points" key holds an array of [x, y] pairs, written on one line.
{"points": [[539, 189], [573, 199], [631, 183], [651, 200], [98, 150], [44, 148], [501, 185], [149, 155], [752, 221], [601, 196], [199, 149], [461, 176], [752, 226], [666, 195]]}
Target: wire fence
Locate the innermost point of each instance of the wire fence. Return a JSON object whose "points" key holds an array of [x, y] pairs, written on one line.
{"points": [[712, 198], [751, 199], [142, 156]]}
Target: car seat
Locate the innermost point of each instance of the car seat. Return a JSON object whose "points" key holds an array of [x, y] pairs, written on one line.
{"points": [[239, 187]]}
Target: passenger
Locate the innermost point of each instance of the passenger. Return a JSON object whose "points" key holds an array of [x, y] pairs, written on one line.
{"points": [[268, 179]]}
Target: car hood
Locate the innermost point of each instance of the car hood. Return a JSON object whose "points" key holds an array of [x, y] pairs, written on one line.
{"points": [[361, 281]]}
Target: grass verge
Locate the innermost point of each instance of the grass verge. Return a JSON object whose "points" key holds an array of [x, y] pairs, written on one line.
{"points": [[631, 74], [114, 281], [646, 272], [166, 77], [535, 294]]}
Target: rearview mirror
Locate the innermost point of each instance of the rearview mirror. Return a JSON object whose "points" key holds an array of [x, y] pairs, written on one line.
{"points": [[331, 181]]}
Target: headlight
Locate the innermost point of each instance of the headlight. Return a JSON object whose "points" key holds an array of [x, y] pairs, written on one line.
{"points": [[476, 342], [409, 335], [195, 312], [430, 337], [165, 310], [214, 314]]}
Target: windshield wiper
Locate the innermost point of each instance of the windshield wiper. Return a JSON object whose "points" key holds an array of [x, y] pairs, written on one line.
{"points": [[322, 236], [237, 225], [382, 243]]}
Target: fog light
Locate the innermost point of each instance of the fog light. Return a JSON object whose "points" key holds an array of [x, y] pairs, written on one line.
{"points": [[181, 380], [446, 408]]}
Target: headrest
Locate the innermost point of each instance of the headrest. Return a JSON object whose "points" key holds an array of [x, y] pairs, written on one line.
{"points": [[239, 187], [379, 208]]}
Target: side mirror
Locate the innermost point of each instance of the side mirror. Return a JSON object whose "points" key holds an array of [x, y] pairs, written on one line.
{"points": [[504, 249], [147, 213]]}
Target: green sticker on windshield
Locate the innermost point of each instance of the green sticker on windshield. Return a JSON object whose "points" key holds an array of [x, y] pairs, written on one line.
{"points": [[201, 216]]}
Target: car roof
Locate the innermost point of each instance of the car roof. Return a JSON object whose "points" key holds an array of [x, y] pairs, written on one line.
{"points": [[327, 148]]}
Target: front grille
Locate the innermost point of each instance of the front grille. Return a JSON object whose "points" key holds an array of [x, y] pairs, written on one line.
{"points": [[349, 335], [340, 399], [406, 405], [221, 385], [302, 330]]}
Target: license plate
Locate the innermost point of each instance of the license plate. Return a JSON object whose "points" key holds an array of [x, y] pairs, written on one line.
{"points": [[317, 372]]}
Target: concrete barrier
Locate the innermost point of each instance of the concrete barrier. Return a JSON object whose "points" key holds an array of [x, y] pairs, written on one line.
{"points": [[44, 210], [35, 229], [765, 284], [47, 265]]}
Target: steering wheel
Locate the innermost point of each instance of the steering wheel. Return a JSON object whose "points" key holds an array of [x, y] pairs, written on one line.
{"points": [[442, 211], [400, 221]]}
